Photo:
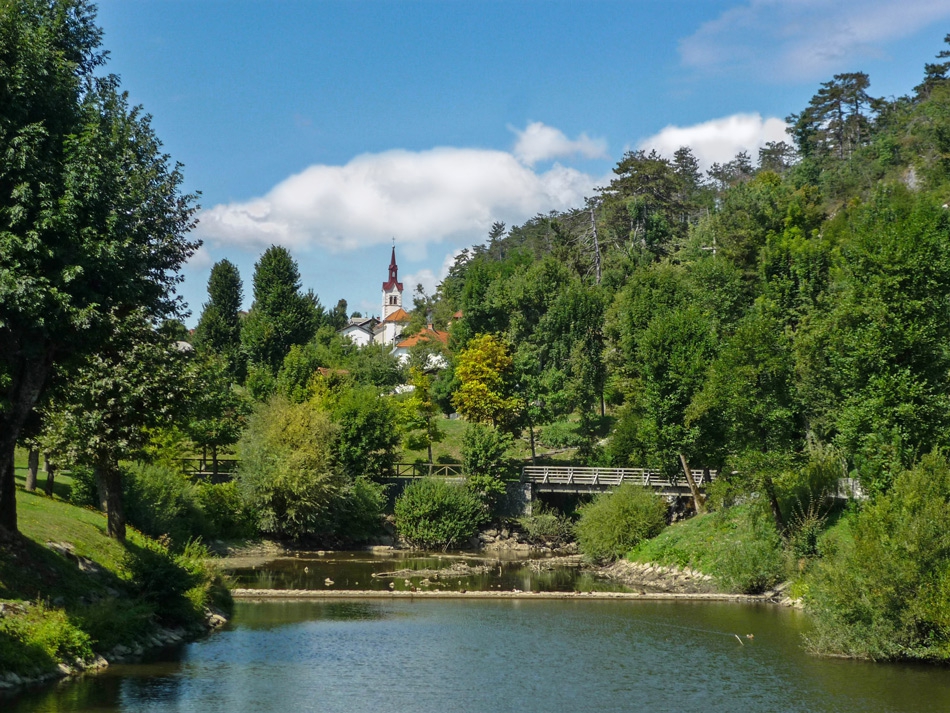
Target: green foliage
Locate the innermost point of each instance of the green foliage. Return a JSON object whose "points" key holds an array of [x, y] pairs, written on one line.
{"points": [[217, 411], [749, 556], [226, 513], [739, 546], [884, 591], [486, 389], [547, 527], [179, 586], [287, 473], [561, 434], [93, 223], [613, 523], [38, 637], [432, 513], [358, 512], [161, 502], [367, 432], [483, 449], [281, 316], [419, 414], [219, 327], [82, 492]]}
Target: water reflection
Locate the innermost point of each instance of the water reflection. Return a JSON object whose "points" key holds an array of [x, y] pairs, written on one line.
{"points": [[479, 656], [405, 571]]}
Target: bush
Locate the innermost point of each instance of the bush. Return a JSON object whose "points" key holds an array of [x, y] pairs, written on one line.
{"points": [[561, 434], [161, 501], [614, 523], [882, 591], [83, 490], [358, 513], [546, 527], [287, 474], [748, 555], [35, 637], [178, 586], [225, 511], [433, 513], [483, 448]]}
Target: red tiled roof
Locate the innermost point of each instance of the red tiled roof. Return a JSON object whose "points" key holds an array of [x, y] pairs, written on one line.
{"points": [[400, 315], [426, 335]]}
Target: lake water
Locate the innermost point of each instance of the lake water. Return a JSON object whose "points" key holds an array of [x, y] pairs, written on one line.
{"points": [[486, 656]]}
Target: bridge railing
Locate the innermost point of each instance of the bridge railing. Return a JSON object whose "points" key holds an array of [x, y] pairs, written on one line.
{"points": [[609, 477], [424, 470]]}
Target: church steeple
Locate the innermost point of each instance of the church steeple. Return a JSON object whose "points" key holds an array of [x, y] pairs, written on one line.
{"points": [[392, 288], [393, 280]]}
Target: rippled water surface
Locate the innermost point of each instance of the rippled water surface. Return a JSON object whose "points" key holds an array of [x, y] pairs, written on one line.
{"points": [[507, 655]]}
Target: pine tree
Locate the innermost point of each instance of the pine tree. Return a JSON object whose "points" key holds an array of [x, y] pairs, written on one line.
{"points": [[281, 315], [219, 329]]}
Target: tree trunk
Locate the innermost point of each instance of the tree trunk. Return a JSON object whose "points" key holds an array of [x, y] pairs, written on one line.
{"points": [[33, 465], [698, 501], [769, 487], [7, 492], [429, 445], [50, 469], [28, 377], [109, 483], [531, 432], [214, 464], [102, 486]]}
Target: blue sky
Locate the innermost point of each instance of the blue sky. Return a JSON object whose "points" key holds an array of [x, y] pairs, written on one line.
{"points": [[334, 127]]}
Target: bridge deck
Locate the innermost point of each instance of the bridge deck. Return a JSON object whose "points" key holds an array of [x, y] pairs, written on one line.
{"points": [[568, 478]]}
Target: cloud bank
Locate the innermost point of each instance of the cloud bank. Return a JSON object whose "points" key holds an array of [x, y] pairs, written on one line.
{"points": [[424, 197], [803, 40], [719, 140]]}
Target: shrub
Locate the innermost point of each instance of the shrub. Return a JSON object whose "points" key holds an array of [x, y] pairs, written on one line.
{"points": [[748, 555], [178, 586], [433, 513], [882, 591], [546, 527], [287, 474], [83, 490], [225, 511], [613, 523], [488, 489], [483, 448], [161, 501], [358, 512], [35, 637], [561, 434]]}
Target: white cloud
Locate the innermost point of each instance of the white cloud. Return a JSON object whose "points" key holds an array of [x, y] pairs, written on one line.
{"points": [[719, 140], [420, 198], [801, 40], [539, 142]]}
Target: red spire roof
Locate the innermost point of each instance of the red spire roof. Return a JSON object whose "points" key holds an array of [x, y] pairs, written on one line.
{"points": [[393, 278]]}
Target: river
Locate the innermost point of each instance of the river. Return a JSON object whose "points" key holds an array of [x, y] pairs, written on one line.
{"points": [[499, 655]]}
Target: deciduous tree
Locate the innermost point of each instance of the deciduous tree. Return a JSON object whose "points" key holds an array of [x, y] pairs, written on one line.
{"points": [[92, 222]]}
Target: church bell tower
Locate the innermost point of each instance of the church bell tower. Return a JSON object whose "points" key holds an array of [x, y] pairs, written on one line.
{"points": [[392, 289]]}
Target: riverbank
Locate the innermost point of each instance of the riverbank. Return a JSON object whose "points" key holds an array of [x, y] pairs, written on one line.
{"points": [[74, 600]]}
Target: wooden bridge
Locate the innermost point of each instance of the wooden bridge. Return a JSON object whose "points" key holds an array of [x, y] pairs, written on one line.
{"points": [[570, 479]]}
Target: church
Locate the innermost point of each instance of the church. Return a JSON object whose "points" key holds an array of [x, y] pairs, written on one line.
{"points": [[388, 329]]}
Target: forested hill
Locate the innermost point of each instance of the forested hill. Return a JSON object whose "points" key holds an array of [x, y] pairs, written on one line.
{"points": [[746, 317]]}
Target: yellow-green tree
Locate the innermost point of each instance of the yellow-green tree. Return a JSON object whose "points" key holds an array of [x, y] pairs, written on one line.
{"points": [[487, 383]]}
